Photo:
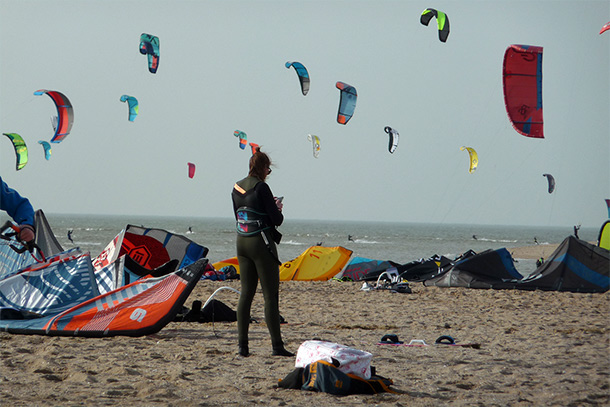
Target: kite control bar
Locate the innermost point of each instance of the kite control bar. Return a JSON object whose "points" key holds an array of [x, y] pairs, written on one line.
{"points": [[29, 246]]}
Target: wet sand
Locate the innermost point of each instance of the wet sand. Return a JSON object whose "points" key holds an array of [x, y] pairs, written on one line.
{"points": [[537, 348]]}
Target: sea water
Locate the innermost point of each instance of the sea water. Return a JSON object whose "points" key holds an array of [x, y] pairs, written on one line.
{"points": [[398, 242]]}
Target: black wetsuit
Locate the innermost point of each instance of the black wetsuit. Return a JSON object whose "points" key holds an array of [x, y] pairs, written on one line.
{"points": [[258, 258]]}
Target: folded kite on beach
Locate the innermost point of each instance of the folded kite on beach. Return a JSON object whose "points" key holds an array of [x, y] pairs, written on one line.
{"points": [[71, 294]]}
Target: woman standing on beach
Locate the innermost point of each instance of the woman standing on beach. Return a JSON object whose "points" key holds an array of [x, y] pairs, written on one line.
{"points": [[258, 213]]}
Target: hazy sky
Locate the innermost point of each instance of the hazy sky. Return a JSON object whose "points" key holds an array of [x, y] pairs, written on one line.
{"points": [[222, 69]]}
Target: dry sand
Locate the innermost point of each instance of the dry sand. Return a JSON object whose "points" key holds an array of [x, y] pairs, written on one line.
{"points": [[533, 252], [537, 348]]}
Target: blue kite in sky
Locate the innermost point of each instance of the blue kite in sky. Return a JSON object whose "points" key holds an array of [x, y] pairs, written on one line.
{"points": [[134, 108], [347, 103], [302, 74], [47, 148], [149, 45]]}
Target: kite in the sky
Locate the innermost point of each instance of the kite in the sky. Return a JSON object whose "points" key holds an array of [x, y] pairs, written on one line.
{"points": [[47, 148], [315, 140], [441, 19], [21, 150], [302, 74], [393, 135], [133, 106], [605, 27], [522, 78], [474, 158], [149, 45], [551, 181], [347, 103], [243, 138], [62, 123], [254, 146], [191, 168]]}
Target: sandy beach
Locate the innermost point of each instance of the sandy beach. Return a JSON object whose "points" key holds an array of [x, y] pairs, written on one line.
{"points": [[537, 348]]}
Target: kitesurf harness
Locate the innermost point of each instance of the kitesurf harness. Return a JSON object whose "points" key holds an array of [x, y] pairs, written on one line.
{"points": [[250, 222]]}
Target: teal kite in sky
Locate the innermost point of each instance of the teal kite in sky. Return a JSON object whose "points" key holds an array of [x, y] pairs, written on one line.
{"points": [[47, 148], [243, 138], [302, 74], [149, 45], [347, 103], [133, 106], [21, 150], [441, 19]]}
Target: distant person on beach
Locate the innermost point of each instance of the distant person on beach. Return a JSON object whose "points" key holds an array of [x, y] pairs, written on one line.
{"points": [[20, 209], [576, 228], [258, 214], [70, 235]]}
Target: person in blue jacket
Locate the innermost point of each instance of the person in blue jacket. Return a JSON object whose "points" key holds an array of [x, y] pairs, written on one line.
{"points": [[20, 209]]}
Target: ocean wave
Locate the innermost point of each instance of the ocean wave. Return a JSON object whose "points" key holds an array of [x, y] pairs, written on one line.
{"points": [[293, 243], [484, 239]]}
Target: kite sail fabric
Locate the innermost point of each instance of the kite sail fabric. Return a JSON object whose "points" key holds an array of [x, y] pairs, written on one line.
{"points": [[359, 268], [605, 28], [65, 114], [551, 182], [191, 169], [575, 266], [302, 74], [441, 19], [152, 248], [522, 79], [149, 45], [21, 150], [315, 141], [393, 139], [134, 107], [317, 263], [46, 147], [347, 103], [603, 239], [243, 138], [608, 206], [254, 146], [474, 158], [70, 294]]}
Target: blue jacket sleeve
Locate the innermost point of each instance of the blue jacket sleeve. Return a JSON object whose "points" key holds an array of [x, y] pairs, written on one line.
{"points": [[18, 207]]}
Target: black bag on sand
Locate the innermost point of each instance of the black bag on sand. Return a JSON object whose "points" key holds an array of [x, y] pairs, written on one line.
{"points": [[215, 311], [326, 377]]}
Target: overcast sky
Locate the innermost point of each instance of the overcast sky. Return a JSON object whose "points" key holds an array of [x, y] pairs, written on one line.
{"points": [[222, 69]]}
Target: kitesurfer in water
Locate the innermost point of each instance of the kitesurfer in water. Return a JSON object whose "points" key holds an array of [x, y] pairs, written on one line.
{"points": [[576, 228], [258, 214], [349, 237], [20, 209], [70, 235]]}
